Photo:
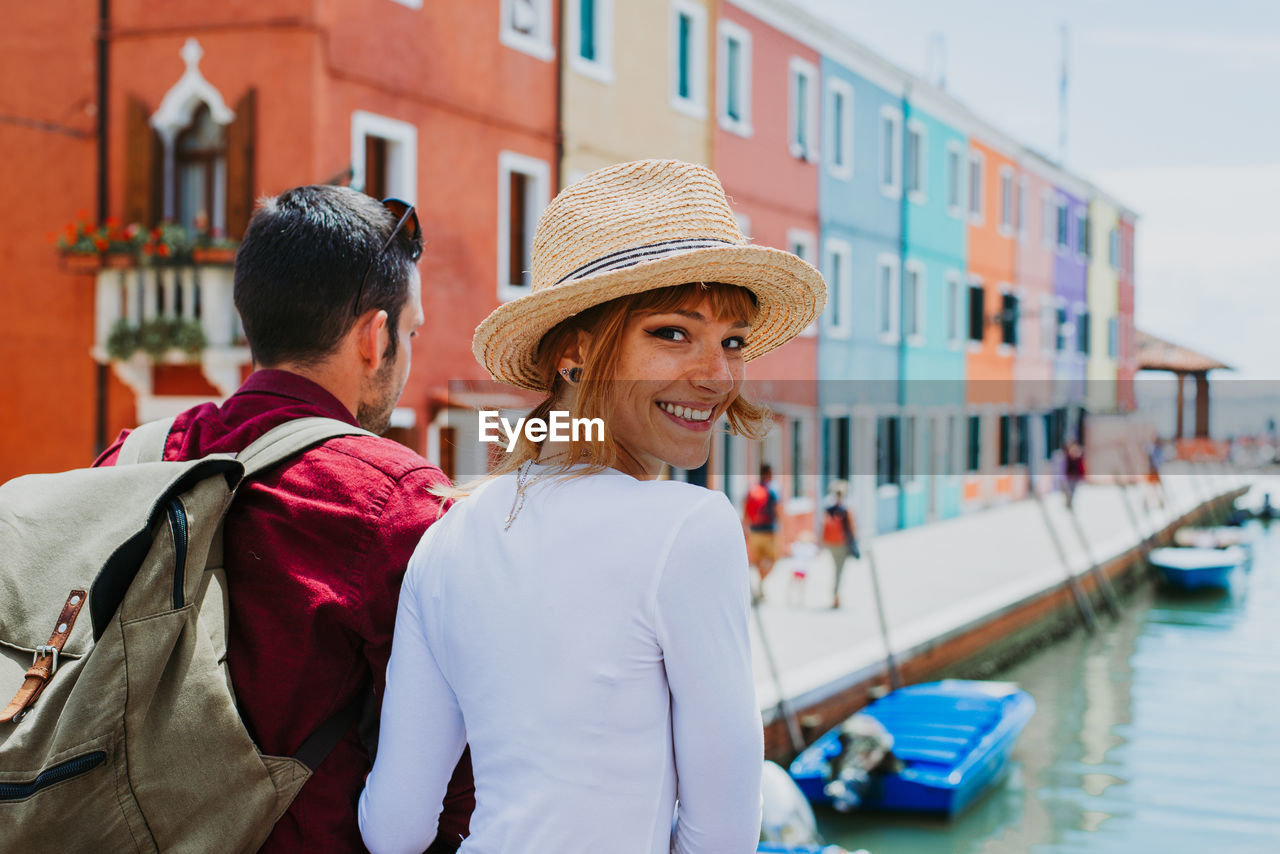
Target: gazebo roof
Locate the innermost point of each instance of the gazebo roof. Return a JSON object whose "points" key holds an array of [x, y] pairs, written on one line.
{"points": [[1157, 354]]}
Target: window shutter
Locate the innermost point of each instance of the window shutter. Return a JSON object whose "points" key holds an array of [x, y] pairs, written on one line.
{"points": [[144, 159], [240, 165]]}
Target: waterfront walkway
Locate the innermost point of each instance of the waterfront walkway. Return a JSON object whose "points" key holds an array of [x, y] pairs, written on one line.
{"points": [[939, 580]]}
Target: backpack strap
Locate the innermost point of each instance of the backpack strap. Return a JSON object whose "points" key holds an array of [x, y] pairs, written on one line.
{"points": [[290, 439], [145, 443]]}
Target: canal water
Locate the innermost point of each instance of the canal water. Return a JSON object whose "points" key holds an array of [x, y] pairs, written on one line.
{"points": [[1161, 733]]}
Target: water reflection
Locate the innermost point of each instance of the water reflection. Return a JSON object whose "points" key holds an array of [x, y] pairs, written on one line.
{"points": [[1156, 734]]}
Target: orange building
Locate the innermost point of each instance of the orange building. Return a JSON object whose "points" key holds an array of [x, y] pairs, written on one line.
{"points": [[993, 181], [452, 106]]}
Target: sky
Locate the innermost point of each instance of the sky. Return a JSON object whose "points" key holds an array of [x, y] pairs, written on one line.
{"points": [[1173, 110]]}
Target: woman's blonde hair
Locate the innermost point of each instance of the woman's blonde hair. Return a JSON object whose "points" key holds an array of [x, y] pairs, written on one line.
{"points": [[597, 390]]}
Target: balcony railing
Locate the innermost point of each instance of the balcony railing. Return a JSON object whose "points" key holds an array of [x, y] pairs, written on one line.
{"points": [[200, 292]]}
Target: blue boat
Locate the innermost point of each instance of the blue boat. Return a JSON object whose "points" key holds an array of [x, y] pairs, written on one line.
{"points": [[1197, 568], [952, 740]]}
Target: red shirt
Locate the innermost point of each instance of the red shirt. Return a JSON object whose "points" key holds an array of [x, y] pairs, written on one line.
{"points": [[315, 552]]}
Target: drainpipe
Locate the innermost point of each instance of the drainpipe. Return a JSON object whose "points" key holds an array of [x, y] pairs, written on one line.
{"points": [[902, 331], [558, 166], [104, 206]]}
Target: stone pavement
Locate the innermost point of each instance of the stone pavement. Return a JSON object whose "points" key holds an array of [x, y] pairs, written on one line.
{"points": [[942, 577]]}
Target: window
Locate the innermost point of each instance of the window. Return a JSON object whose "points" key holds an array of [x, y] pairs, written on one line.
{"points": [[977, 165], [734, 75], [1022, 453], [955, 307], [591, 38], [973, 456], [523, 188], [1048, 210], [803, 245], [1006, 201], [1083, 247], [1009, 319], [526, 26], [917, 156], [887, 298], [1003, 440], [799, 463], [1113, 248], [688, 59], [955, 180], [913, 301], [1064, 229], [1050, 434], [1113, 337], [1083, 333], [888, 462], [839, 276], [838, 440], [840, 124], [384, 156], [890, 151], [1061, 334], [803, 79], [977, 310], [1020, 208], [200, 173]]}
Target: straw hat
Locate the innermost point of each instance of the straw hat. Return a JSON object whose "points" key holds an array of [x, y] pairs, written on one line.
{"points": [[636, 227]]}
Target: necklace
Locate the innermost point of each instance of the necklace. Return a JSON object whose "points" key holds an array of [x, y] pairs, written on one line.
{"points": [[523, 481]]}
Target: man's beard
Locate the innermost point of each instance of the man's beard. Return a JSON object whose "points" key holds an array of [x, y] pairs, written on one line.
{"points": [[374, 410]]}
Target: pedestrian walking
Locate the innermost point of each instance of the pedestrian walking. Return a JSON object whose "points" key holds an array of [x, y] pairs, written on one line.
{"points": [[760, 514], [326, 282], [582, 623], [839, 534], [1074, 470]]}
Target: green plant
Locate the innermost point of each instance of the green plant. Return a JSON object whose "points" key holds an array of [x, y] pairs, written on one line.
{"points": [[188, 336], [122, 340], [155, 337], [83, 237]]}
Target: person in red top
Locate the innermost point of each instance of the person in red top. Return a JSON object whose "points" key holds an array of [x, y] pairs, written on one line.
{"points": [[327, 285]]}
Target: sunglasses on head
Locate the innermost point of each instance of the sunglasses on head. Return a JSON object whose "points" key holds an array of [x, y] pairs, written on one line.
{"points": [[405, 214]]}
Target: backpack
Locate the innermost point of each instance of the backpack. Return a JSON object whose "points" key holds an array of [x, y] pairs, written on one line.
{"points": [[833, 532], [124, 734], [762, 509]]}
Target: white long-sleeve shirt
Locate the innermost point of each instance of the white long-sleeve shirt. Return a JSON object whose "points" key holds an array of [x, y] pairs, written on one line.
{"points": [[595, 656]]}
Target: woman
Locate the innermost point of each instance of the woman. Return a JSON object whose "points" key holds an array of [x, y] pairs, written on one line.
{"points": [[839, 534], [582, 624]]}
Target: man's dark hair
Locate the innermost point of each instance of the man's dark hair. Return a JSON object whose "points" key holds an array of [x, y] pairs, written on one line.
{"points": [[766, 470], [301, 263]]}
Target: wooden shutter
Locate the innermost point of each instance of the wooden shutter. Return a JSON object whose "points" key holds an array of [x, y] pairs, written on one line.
{"points": [[240, 165], [144, 160]]}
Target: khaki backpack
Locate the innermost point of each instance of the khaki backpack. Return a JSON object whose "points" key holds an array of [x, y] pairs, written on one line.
{"points": [[124, 734]]}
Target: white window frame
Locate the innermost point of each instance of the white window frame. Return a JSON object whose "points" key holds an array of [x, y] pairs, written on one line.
{"points": [[1062, 210], [600, 68], [695, 106], [839, 325], [920, 195], [725, 31], [1081, 215], [540, 171], [916, 337], [893, 115], [960, 209], [1006, 201], [889, 261], [1048, 218], [796, 69], [805, 241], [1022, 218], [977, 189], [958, 302], [840, 88], [402, 153], [538, 44]]}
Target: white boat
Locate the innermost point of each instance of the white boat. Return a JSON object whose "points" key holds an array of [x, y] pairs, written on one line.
{"points": [[1195, 568]]}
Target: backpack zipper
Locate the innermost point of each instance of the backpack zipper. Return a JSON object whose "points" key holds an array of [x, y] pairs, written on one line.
{"points": [[178, 526], [56, 774]]}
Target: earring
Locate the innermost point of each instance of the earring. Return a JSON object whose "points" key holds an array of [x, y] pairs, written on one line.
{"points": [[573, 375]]}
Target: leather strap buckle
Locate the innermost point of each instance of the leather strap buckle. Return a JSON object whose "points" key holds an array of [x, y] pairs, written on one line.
{"points": [[41, 652]]}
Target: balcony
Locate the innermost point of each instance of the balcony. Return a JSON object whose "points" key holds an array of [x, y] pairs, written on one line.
{"points": [[193, 292]]}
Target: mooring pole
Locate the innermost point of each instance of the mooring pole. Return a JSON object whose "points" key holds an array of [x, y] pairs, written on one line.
{"points": [[895, 677], [784, 709], [1095, 568], [1087, 616], [1144, 538]]}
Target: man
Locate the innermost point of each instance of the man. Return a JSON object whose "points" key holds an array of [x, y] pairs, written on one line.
{"points": [[327, 285], [761, 517]]}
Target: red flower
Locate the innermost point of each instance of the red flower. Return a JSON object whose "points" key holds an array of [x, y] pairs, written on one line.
{"points": [[100, 243], [163, 250]]}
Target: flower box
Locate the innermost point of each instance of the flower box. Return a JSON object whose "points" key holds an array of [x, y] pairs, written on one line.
{"points": [[79, 262]]}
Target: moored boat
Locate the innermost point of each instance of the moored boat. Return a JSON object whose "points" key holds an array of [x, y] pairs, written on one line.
{"points": [[1196, 568], [951, 741]]}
